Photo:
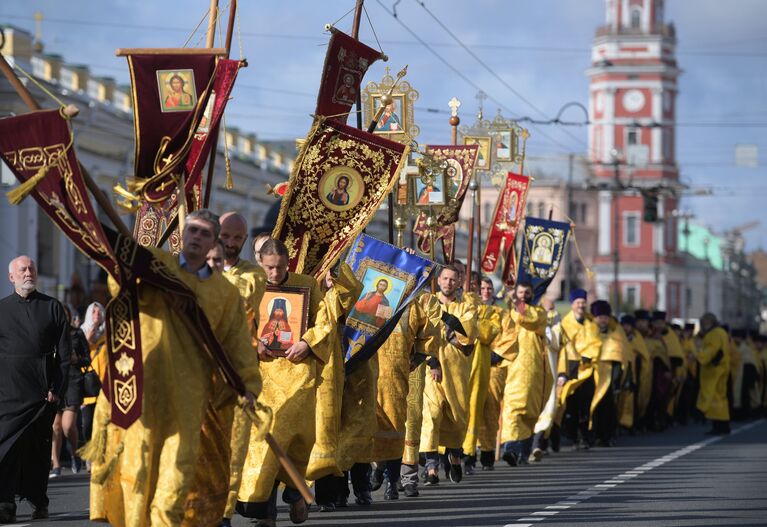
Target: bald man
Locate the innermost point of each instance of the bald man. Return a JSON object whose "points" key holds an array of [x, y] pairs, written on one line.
{"points": [[34, 363], [250, 279]]}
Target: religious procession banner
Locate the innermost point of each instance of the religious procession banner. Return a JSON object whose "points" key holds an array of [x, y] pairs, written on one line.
{"points": [[391, 279], [346, 63], [543, 246], [509, 211], [173, 132], [460, 161], [340, 178], [38, 147]]}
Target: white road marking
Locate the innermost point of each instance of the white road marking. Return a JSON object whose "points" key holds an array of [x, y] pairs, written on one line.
{"points": [[614, 481]]}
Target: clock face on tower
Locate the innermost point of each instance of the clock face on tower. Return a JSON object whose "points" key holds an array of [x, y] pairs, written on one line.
{"points": [[633, 100]]}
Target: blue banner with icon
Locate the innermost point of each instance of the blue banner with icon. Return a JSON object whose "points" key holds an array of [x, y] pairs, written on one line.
{"points": [[391, 279], [543, 245]]}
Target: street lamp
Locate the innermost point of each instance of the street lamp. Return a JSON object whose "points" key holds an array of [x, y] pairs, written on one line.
{"points": [[686, 215], [706, 241]]}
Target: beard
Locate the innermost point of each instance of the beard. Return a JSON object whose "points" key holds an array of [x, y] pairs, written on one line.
{"points": [[232, 253]]}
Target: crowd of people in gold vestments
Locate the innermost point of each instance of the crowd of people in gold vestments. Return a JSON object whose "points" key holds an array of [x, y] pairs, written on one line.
{"points": [[467, 378]]}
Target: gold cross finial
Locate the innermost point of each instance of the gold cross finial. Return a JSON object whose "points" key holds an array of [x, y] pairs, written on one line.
{"points": [[387, 71], [481, 96], [454, 105]]}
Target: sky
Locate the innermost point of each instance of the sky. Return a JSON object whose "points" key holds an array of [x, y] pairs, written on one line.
{"points": [[535, 53]]}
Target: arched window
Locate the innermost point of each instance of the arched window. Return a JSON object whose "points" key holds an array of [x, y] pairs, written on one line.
{"points": [[636, 18]]}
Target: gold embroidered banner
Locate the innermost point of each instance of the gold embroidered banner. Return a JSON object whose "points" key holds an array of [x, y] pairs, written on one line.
{"points": [[460, 160], [339, 180]]}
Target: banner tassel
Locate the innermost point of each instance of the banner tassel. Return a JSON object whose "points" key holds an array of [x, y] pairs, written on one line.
{"points": [[17, 195]]}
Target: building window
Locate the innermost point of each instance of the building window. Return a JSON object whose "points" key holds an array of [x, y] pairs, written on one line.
{"points": [[541, 209], [631, 226], [486, 214], [636, 18], [632, 136], [631, 295], [583, 213]]}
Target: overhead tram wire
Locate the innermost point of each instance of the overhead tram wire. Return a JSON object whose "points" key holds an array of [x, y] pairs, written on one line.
{"points": [[508, 47], [459, 73], [492, 71]]}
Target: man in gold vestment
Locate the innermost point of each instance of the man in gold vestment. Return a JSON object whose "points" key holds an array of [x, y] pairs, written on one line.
{"points": [[489, 326], [154, 472], [677, 359], [417, 332], [575, 370], [250, 280], [689, 393], [657, 417], [491, 413], [642, 369], [546, 428], [610, 365], [528, 376], [325, 459], [445, 401], [290, 379], [714, 359]]}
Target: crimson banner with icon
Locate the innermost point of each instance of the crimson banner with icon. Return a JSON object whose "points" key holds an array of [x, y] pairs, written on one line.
{"points": [[346, 62], [509, 211]]}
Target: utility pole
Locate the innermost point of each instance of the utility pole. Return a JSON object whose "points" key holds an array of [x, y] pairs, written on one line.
{"points": [[616, 227], [571, 214]]}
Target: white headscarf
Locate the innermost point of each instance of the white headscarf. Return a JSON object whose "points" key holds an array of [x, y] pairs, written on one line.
{"points": [[88, 325]]}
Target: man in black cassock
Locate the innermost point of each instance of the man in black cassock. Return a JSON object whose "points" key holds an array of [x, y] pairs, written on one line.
{"points": [[34, 362]]}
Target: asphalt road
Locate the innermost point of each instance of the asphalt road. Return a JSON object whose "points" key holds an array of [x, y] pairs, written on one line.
{"points": [[679, 478]]}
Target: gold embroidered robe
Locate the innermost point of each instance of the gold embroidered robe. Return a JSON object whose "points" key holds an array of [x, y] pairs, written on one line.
{"points": [[445, 403], [152, 473], [290, 390], [489, 326], [553, 344], [642, 374], [614, 348], [714, 373], [415, 332], [528, 378], [579, 340], [250, 280], [324, 459]]}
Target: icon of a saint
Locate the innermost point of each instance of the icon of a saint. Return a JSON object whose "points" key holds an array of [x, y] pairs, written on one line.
{"points": [[276, 333], [424, 197], [367, 307], [390, 121], [340, 195], [177, 98], [347, 92]]}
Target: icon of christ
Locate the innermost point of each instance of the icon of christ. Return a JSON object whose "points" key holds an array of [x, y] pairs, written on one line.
{"points": [[368, 307]]}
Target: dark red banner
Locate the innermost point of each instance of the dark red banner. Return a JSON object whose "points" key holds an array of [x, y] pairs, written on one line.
{"points": [[154, 217], [346, 63]]}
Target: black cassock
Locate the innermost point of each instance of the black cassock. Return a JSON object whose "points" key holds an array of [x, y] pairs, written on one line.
{"points": [[34, 358]]}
